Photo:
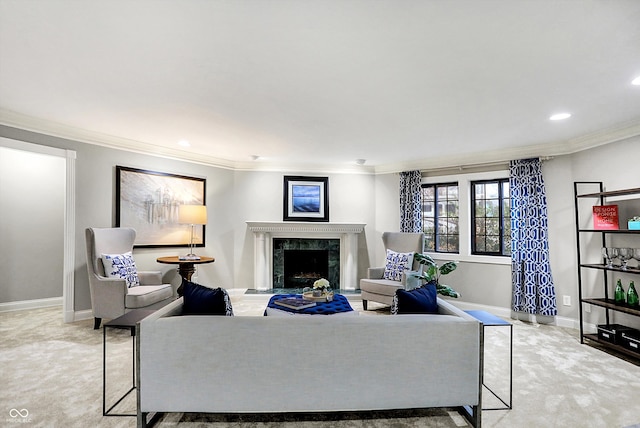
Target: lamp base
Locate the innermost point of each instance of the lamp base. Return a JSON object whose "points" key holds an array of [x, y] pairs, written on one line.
{"points": [[189, 257]]}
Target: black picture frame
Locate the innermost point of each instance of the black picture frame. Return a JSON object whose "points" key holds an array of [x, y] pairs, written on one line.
{"points": [[306, 198], [148, 201]]}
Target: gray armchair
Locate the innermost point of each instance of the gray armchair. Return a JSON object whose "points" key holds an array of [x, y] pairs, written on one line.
{"points": [[377, 289], [112, 297]]}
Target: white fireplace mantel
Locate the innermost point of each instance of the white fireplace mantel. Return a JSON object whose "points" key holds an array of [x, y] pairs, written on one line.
{"points": [[265, 231]]}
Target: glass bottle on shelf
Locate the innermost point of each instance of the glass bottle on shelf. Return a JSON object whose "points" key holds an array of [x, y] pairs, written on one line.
{"points": [[619, 293], [632, 295]]}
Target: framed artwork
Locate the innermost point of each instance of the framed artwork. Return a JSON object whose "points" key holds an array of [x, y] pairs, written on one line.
{"points": [[306, 198], [148, 201]]}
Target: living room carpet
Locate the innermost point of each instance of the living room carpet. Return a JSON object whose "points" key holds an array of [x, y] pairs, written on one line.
{"points": [[53, 371]]}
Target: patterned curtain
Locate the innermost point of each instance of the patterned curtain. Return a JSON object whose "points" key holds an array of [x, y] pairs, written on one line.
{"points": [[411, 201], [533, 289]]}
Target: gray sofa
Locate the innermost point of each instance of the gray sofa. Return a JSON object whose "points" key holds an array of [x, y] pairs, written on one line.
{"points": [[249, 364]]}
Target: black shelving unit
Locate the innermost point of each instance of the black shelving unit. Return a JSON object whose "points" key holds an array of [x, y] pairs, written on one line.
{"points": [[600, 198]]}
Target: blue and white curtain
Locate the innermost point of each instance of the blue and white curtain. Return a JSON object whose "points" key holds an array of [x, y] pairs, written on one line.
{"points": [[411, 201], [533, 289]]}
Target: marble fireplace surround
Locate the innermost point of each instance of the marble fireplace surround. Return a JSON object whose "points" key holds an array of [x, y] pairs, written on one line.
{"points": [[265, 231]]}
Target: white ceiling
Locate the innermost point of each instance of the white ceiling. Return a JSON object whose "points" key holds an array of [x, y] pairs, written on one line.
{"points": [[317, 84]]}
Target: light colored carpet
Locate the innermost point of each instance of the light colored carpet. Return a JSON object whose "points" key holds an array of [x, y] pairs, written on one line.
{"points": [[54, 372]]}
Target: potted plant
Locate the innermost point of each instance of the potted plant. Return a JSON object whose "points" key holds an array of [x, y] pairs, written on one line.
{"points": [[432, 273]]}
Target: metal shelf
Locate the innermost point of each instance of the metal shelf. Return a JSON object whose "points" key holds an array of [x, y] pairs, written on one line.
{"points": [[622, 192], [621, 231], [611, 269], [612, 346], [610, 304]]}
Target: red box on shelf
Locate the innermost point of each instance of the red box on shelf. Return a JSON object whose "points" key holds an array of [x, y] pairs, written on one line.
{"points": [[605, 217]]}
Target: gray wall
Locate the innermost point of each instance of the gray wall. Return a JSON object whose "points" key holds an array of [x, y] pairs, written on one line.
{"points": [[234, 197], [31, 231]]}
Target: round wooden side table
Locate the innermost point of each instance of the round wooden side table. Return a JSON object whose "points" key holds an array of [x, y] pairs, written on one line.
{"points": [[186, 268]]}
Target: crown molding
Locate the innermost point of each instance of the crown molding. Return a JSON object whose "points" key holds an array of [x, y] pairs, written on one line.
{"points": [[54, 129], [613, 134], [606, 136]]}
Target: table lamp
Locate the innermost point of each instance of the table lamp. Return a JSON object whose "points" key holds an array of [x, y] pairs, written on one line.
{"points": [[192, 214]]}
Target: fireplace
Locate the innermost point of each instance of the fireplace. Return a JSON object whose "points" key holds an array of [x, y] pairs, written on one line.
{"points": [[340, 239], [298, 263], [303, 267]]}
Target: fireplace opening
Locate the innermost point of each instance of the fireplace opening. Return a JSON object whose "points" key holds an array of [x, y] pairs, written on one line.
{"points": [[303, 267]]}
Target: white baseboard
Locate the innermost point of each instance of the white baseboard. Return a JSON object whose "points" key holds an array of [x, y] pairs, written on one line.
{"points": [[30, 304], [82, 315]]}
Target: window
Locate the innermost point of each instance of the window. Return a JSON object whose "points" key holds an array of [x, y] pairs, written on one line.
{"points": [[491, 218], [440, 213]]}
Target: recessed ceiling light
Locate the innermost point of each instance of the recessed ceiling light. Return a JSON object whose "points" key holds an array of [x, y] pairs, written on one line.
{"points": [[560, 116], [636, 81], [184, 143]]}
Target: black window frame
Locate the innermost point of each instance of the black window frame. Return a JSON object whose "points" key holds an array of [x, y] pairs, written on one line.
{"points": [[436, 235], [503, 252]]}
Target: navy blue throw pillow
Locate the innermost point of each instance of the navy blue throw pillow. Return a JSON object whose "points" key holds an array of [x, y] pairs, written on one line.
{"points": [[201, 300], [422, 300]]}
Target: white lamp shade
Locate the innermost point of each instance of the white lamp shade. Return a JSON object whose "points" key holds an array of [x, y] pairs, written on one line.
{"points": [[192, 214]]}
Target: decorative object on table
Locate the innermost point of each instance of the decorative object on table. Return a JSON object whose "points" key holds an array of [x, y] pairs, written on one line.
{"points": [[634, 223], [632, 295], [605, 217], [306, 198], [148, 201], [619, 293], [192, 215], [321, 291], [433, 272], [295, 302]]}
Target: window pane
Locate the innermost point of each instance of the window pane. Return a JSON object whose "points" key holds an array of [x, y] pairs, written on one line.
{"points": [[493, 226], [492, 210], [492, 190], [493, 244], [428, 193], [453, 244]]}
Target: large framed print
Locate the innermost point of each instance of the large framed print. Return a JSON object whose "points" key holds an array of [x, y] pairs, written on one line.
{"points": [[306, 198], [148, 201]]}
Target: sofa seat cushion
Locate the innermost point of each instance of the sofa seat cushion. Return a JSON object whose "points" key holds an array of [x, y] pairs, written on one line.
{"points": [[201, 300], [422, 300], [385, 287], [146, 295]]}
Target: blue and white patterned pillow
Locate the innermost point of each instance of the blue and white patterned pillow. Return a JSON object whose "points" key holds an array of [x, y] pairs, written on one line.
{"points": [[396, 264], [121, 266]]}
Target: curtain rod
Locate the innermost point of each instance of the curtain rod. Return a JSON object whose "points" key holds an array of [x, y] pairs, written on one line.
{"points": [[477, 166]]}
